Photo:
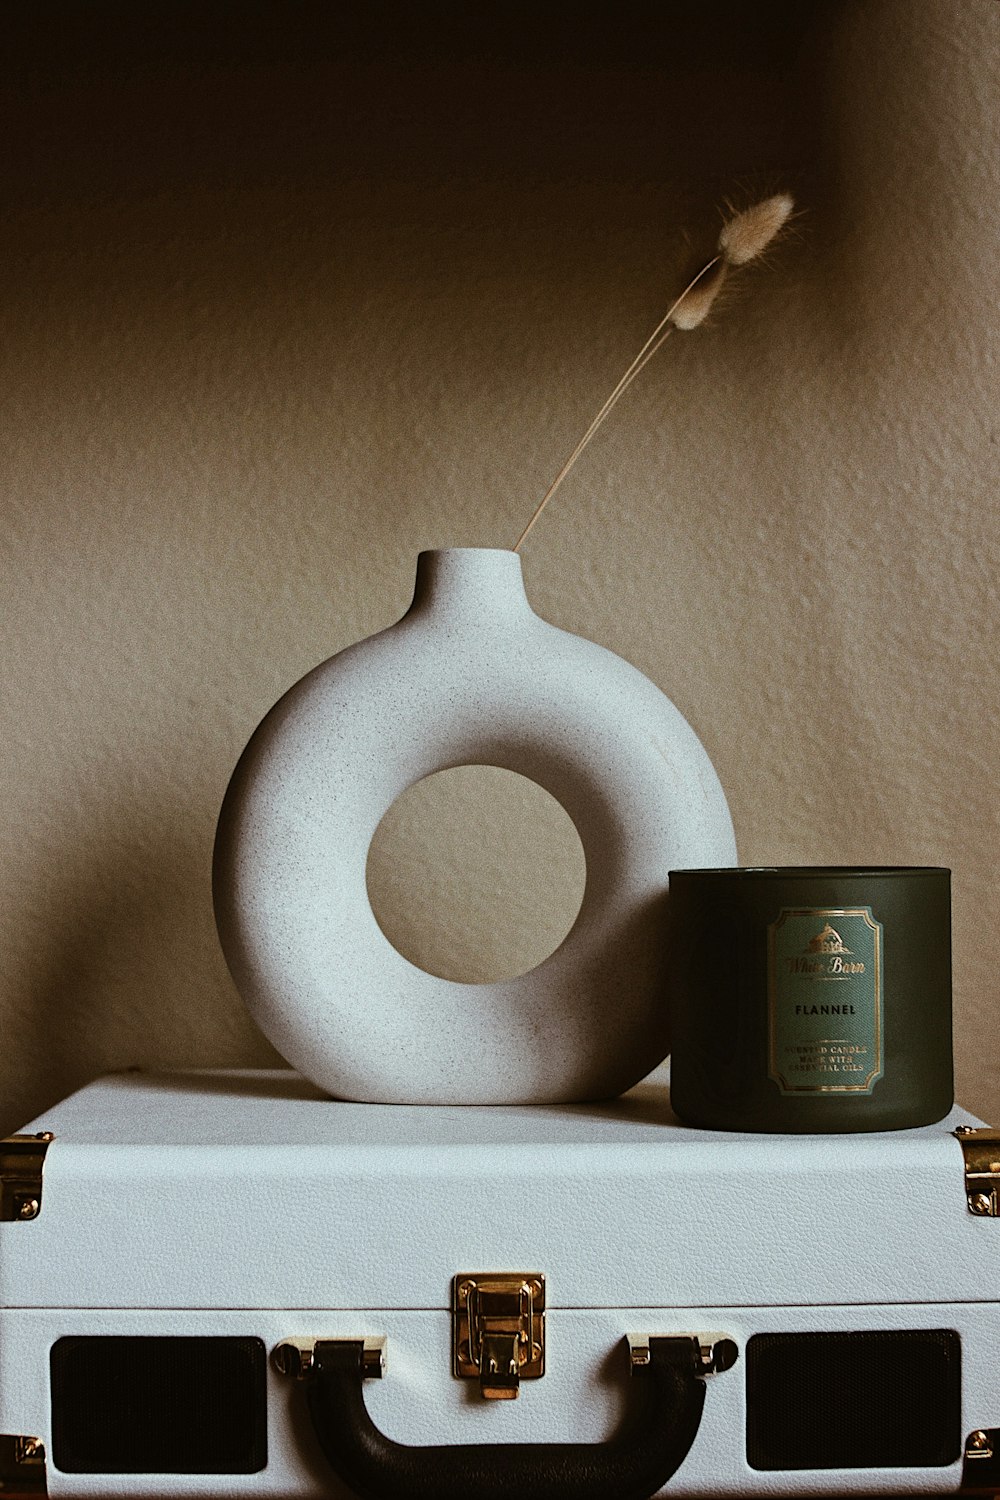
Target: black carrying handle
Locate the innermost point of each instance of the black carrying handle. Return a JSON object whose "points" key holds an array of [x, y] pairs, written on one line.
{"points": [[661, 1426]]}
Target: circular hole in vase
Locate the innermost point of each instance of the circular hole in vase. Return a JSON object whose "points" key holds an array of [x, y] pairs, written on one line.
{"points": [[476, 874]]}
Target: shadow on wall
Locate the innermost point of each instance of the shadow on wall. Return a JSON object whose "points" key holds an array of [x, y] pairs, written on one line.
{"points": [[113, 968], [171, 98], [178, 171]]}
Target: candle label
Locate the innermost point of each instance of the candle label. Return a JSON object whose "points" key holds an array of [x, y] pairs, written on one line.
{"points": [[824, 984]]}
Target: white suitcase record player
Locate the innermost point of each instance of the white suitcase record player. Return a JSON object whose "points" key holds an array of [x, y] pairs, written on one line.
{"points": [[224, 1283]]}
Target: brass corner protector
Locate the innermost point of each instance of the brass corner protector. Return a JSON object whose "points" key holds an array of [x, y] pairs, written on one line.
{"points": [[22, 1467], [981, 1152], [21, 1160]]}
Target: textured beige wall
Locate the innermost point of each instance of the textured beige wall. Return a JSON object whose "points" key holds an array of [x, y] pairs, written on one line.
{"points": [[286, 300]]}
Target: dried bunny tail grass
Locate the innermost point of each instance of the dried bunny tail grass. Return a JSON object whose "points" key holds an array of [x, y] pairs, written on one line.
{"points": [[743, 238], [749, 233], [693, 308]]}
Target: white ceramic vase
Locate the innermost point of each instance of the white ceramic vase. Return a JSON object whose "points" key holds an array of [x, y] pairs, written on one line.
{"points": [[470, 675]]}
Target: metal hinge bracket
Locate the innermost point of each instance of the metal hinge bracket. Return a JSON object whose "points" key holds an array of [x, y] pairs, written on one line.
{"points": [[22, 1467], [21, 1160], [710, 1353], [981, 1469], [294, 1357], [981, 1149], [498, 1330]]}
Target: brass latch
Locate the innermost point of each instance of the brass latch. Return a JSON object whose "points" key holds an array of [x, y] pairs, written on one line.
{"points": [[21, 1161], [981, 1149], [22, 1467], [498, 1330]]}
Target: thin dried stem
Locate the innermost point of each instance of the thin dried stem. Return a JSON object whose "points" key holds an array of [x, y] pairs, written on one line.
{"points": [[649, 348], [743, 238]]}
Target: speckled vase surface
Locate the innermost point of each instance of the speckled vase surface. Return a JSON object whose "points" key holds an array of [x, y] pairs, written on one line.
{"points": [[469, 675]]}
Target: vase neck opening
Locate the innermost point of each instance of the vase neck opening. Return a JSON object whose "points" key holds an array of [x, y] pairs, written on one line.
{"points": [[472, 581]]}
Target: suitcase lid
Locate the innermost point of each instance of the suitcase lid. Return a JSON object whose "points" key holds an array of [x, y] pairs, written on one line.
{"points": [[246, 1189]]}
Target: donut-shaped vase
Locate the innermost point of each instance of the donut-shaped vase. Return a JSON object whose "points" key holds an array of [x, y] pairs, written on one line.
{"points": [[470, 675]]}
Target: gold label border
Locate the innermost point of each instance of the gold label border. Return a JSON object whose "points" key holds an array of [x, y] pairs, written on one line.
{"points": [[773, 1069]]}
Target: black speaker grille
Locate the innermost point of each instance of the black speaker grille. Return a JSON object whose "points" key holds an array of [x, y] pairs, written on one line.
{"points": [[854, 1400], [159, 1405]]}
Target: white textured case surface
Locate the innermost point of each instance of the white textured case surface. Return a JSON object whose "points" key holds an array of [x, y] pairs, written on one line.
{"points": [[246, 1202]]}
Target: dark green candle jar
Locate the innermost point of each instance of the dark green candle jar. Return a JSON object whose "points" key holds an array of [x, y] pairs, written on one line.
{"points": [[810, 999]]}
